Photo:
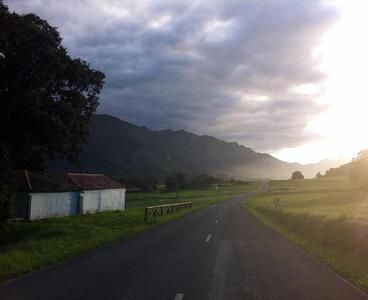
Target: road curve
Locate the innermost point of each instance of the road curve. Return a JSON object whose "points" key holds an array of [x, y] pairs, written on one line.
{"points": [[219, 252]]}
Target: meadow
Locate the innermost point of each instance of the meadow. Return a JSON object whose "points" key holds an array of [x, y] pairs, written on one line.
{"points": [[26, 247], [328, 217]]}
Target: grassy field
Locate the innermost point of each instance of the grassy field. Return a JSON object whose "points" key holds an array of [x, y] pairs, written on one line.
{"points": [[27, 247], [327, 216]]}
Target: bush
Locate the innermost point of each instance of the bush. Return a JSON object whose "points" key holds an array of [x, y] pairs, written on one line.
{"points": [[297, 175]]}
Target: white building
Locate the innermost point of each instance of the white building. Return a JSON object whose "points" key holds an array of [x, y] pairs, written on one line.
{"points": [[44, 196]]}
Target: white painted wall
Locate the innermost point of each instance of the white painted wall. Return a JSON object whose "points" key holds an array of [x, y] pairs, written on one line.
{"points": [[45, 205], [103, 200]]}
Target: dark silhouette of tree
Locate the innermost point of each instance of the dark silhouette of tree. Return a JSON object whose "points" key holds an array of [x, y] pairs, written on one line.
{"points": [[7, 190], [319, 175], [181, 180], [362, 155], [171, 184], [297, 175], [46, 97], [359, 168], [176, 182]]}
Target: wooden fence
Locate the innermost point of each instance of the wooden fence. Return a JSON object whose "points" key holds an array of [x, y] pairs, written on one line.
{"points": [[161, 210]]}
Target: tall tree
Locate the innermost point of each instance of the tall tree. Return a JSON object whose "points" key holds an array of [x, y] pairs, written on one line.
{"points": [[46, 97]]}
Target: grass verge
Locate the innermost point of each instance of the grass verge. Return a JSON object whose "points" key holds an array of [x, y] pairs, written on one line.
{"points": [[327, 217], [27, 247]]}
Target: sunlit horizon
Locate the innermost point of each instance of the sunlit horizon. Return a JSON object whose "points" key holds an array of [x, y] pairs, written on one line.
{"points": [[341, 127]]}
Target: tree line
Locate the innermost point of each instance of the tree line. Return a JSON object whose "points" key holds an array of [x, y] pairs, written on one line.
{"points": [[181, 181], [356, 170], [175, 182]]}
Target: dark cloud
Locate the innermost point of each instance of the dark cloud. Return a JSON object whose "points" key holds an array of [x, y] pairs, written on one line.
{"points": [[224, 68]]}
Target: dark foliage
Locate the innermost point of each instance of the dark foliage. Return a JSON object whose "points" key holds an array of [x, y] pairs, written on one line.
{"points": [[359, 168], [139, 184], [180, 181], [171, 184], [319, 175], [343, 170], [7, 192], [297, 175], [46, 97], [203, 181], [176, 182]]}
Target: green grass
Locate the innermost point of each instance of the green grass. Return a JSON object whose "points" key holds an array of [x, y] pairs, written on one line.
{"points": [[27, 247], [328, 217]]}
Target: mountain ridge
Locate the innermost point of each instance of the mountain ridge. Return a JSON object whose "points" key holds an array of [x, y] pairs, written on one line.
{"points": [[117, 147]]}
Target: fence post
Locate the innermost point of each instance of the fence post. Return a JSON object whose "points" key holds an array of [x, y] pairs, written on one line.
{"points": [[145, 214]]}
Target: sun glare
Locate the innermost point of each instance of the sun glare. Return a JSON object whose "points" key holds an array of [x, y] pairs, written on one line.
{"points": [[343, 126]]}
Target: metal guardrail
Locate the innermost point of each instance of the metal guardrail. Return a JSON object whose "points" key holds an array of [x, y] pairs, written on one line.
{"points": [[165, 209]]}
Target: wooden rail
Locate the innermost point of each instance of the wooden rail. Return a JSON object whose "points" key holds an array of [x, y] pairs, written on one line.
{"points": [[160, 210]]}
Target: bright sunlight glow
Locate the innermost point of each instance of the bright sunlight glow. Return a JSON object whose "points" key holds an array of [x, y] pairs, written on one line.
{"points": [[343, 126]]}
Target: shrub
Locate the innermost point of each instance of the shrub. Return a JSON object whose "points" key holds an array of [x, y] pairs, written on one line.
{"points": [[297, 175]]}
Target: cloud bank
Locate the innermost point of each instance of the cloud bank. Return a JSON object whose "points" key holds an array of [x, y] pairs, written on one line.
{"points": [[232, 69]]}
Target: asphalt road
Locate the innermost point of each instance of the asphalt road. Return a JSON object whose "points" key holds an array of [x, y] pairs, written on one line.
{"points": [[219, 252]]}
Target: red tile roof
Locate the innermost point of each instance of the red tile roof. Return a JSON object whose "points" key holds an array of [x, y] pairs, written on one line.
{"points": [[93, 181], [59, 182]]}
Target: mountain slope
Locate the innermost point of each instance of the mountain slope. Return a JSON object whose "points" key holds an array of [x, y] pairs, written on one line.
{"points": [[121, 148]]}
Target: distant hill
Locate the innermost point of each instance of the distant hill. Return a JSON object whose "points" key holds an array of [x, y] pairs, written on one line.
{"points": [[117, 147]]}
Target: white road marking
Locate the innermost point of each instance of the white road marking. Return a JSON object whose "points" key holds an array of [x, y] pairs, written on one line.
{"points": [[208, 238], [216, 222], [179, 297]]}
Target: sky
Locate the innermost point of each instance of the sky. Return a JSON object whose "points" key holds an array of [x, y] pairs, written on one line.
{"points": [[285, 77]]}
